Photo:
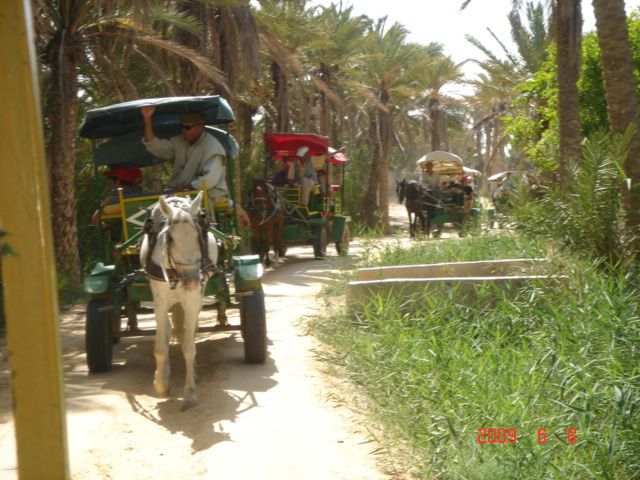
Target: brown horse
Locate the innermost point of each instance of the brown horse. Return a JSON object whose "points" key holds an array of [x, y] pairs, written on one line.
{"points": [[266, 211], [420, 204]]}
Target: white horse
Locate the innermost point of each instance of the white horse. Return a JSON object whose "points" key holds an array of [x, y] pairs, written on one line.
{"points": [[176, 280]]}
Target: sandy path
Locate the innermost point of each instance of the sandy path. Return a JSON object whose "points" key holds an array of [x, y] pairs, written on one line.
{"points": [[271, 421], [278, 420]]}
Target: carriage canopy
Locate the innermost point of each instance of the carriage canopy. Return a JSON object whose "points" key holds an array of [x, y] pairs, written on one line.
{"points": [[286, 145], [119, 128], [291, 146], [123, 118], [444, 163]]}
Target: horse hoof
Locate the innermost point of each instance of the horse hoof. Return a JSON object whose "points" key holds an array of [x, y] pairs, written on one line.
{"points": [[189, 401], [164, 393]]}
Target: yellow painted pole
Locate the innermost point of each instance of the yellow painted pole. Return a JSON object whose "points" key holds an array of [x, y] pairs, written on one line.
{"points": [[28, 274]]}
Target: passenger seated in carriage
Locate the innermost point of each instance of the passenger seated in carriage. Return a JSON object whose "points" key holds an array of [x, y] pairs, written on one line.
{"points": [[129, 179], [462, 192], [323, 183], [298, 173], [428, 177], [281, 177]]}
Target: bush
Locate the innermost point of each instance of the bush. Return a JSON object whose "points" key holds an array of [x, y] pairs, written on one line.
{"points": [[555, 357], [587, 216]]}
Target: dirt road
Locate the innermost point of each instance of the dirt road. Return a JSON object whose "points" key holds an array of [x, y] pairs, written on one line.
{"points": [[280, 420], [271, 421]]}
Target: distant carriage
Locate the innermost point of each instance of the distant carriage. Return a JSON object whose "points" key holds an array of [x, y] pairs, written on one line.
{"points": [[451, 201], [502, 187], [318, 219]]}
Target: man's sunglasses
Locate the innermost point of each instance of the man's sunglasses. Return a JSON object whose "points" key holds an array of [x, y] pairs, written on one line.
{"points": [[189, 127]]}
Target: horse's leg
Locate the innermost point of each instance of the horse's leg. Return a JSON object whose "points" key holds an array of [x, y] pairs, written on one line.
{"points": [[222, 306], [427, 225], [273, 242], [267, 242], [277, 238], [191, 306], [412, 229], [257, 241], [177, 320], [161, 347]]}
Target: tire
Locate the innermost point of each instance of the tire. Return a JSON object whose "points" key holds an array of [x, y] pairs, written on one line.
{"points": [[342, 245], [98, 342], [320, 243], [253, 319]]}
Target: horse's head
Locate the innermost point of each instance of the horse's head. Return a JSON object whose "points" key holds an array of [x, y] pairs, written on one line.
{"points": [[182, 237], [412, 190], [400, 187], [261, 197]]}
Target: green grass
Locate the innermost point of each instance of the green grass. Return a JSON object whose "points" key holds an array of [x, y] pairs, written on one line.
{"points": [[557, 357]]}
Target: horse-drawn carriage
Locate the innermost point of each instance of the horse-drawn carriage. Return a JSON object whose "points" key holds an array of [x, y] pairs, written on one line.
{"points": [[305, 196], [118, 286], [443, 194], [502, 188]]}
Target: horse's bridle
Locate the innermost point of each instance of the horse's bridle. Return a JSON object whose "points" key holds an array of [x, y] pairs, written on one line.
{"points": [[271, 197], [179, 271]]}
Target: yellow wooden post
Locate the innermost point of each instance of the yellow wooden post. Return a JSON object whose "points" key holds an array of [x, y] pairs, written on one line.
{"points": [[28, 274]]}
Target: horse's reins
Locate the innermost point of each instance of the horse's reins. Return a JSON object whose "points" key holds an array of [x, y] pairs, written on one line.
{"points": [[271, 193], [172, 274]]}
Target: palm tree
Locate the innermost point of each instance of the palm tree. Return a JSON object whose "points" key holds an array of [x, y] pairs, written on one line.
{"points": [[285, 26], [620, 90], [442, 71], [567, 21], [230, 36], [75, 35], [496, 87], [567, 16], [392, 70], [339, 46]]}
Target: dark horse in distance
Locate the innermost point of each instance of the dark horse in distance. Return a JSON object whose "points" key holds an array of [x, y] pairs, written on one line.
{"points": [[266, 211], [420, 204]]}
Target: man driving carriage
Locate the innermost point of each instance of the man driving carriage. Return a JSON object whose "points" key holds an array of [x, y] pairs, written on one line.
{"points": [[428, 177], [197, 157]]}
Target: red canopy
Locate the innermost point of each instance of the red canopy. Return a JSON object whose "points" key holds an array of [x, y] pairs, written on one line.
{"points": [[288, 144]]}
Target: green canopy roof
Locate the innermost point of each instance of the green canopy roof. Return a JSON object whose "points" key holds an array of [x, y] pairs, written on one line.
{"points": [[125, 118]]}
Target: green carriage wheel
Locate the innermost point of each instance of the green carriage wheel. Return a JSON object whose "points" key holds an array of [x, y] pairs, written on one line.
{"points": [[99, 335], [253, 319]]}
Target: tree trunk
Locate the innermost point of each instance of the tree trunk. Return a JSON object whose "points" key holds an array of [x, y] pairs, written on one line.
{"points": [[191, 82], [325, 76], [434, 116], [244, 134], [281, 88], [568, 30], [384, 121], [61, 156], [370, 200], [620, 90]]}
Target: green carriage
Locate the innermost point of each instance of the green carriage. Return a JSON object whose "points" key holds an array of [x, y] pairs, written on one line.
{"points": [[117, 286], [321, 220], [453, 204]]}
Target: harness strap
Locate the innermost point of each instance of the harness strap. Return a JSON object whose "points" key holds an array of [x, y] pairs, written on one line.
{"points": [[154, 271]]}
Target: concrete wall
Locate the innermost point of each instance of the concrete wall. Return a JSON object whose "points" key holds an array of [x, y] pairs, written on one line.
{"points": [[454, 269], [468, 278]]}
